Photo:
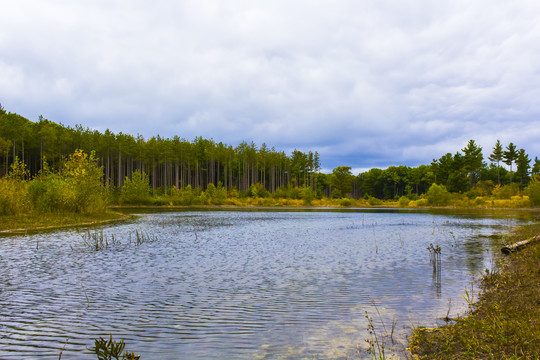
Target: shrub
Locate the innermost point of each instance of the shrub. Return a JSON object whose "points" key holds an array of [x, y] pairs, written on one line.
{"points": [[421, 202], [308, 196], [46, 193], [484, 187], [373, 201], [437, 195], [336, 194], [187, 196], [83, 188], [233, 193], [404, 201], [345, 202], [533, 190], [472, 194], [137, 189], [218, 196], [257, 191], [506, 191], [12, 196]]}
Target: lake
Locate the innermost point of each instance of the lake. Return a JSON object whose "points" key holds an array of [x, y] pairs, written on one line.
{"points": [[240, 284]]}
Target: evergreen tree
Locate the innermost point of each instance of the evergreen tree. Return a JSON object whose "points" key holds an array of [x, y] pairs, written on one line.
{"points": [[342, 180], [536, 166], [509, 156], [496, 157], [523, 165], [472, 161]]}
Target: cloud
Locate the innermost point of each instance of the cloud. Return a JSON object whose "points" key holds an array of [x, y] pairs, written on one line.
{"points": [[364, 84]]}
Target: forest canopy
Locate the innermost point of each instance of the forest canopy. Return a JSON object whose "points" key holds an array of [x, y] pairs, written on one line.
{"points": [[128, 162]]}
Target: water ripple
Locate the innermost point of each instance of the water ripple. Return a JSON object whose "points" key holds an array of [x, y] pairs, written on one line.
{"points": [[233, 284]]}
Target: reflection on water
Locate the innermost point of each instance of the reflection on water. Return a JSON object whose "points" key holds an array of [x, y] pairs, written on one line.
{"points": [[239, 285]]}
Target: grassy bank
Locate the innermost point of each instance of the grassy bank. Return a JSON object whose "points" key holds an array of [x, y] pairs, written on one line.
{"points": [[504, 323], [35, 221]]}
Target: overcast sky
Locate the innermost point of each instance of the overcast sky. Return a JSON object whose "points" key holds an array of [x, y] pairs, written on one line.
{"points": [[364, 83]]}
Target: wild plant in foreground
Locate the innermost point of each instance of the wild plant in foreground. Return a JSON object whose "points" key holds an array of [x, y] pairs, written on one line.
{"points": [[111, 349], [377, 342]]}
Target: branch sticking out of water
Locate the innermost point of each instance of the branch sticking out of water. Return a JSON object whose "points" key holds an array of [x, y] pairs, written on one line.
{"points": [[435, 256]]}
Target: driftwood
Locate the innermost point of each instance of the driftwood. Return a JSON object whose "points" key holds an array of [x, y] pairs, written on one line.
{"points": [[507, 249]]}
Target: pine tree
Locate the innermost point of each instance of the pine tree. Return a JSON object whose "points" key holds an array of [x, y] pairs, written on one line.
{"points": [[509, 156], [497, 156], [523, 165], [472, 160]]}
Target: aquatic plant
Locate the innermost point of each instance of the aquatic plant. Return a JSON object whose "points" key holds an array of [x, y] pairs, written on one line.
{"points": [[141, 237], [111, 349], [98, 240]]}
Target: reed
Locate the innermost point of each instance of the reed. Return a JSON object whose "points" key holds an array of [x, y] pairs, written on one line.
{"points": [[98, 240], [141, 238]]}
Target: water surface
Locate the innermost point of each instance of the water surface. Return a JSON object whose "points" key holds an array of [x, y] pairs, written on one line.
{"points": [[242, 285]]}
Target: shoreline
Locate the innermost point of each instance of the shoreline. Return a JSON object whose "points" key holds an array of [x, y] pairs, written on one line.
{"points": [[117, 217], [116, 213], [503, 322]]}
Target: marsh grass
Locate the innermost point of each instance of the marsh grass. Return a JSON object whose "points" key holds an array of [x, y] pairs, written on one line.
{"points": [[140, 238], [504, 323], [98, 240], [36, 222]]}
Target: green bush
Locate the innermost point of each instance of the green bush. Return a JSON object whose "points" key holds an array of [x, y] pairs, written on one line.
{"points": [[345, 202], [404, 201], [506, 191], [533, 191], [45, 194], [480, 201], [373, 201], [336, 194], [187, 196], [13, 196], [421, 202], [257, 191], [137, 189], [472, 194], [437, 195], [308, 196], [217, 195], [83, 188]]}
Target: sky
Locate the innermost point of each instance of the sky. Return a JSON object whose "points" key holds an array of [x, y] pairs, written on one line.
{"points": [[365, 83]]}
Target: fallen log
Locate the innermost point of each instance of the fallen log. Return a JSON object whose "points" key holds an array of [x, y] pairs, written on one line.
{"points": [[507, 249]]}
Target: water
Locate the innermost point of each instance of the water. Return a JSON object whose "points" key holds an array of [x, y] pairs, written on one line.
{"points": [[238, 285]]}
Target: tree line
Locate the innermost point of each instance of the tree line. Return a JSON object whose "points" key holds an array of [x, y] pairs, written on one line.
{"points": [[466, 171], [177, 163], [168, 162]]}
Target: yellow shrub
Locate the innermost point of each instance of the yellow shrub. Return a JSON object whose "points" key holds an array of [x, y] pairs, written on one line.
{"points": [[13, 200]]}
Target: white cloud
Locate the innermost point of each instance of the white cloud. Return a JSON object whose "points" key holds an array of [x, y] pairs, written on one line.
{"points": [[364, 83]]}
